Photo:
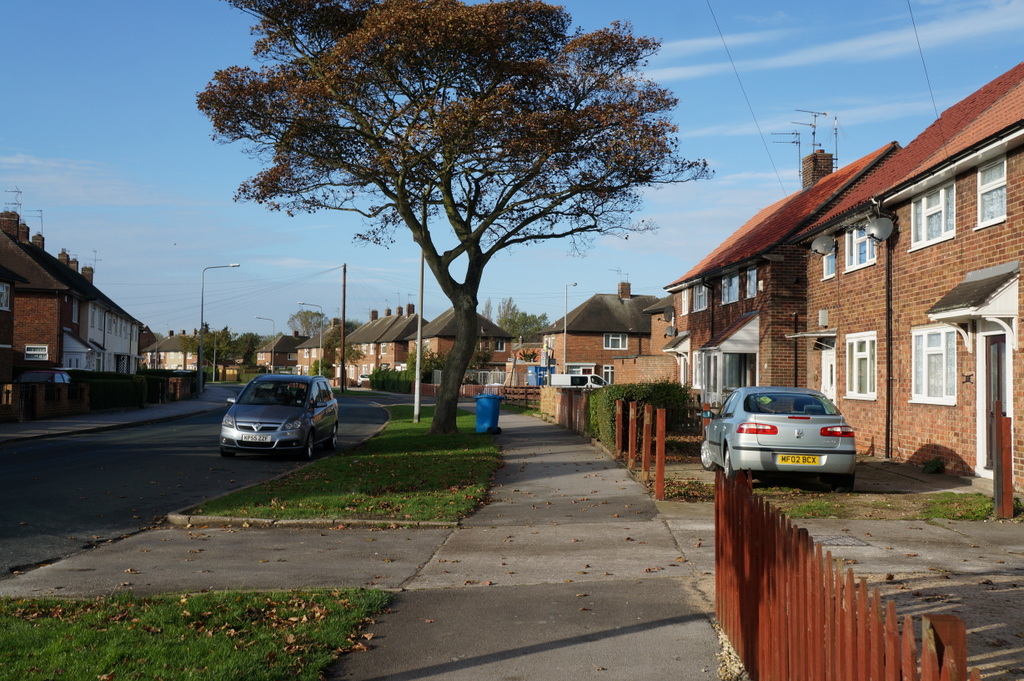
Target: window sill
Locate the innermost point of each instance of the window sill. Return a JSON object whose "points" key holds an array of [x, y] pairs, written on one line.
{"points": [[992, 223], [854, 268], [861, 398], [921, 245], [932, 402]]}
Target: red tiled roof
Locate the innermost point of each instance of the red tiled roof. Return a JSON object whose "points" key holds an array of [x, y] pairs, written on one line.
{"points": [[973, 119], [772, 225]]}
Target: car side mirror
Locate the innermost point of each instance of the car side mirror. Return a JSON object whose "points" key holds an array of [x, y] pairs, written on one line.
{"points": [[708, 414], [231, 400]]}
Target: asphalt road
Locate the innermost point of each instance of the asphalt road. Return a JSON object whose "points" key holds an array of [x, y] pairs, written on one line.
{"points": [[63, 494]]}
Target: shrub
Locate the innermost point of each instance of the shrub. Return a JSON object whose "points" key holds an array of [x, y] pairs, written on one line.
{"points": [[673, 397]]}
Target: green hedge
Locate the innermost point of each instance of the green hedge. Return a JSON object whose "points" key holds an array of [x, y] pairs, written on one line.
{"points": [[392, 381], [672, 397]]}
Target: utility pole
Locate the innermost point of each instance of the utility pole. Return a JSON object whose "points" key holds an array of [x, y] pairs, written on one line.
{"points": [[341, 360]]}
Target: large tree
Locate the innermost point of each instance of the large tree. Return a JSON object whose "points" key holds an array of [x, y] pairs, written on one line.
{"points": [[476, 127], [520, 324]]}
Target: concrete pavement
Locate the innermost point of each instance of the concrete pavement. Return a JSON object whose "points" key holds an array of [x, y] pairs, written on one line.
{"points": [[572, 569]]}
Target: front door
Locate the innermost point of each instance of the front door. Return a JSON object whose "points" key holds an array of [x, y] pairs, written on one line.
{"points": [[828, 371], [995, 375]]}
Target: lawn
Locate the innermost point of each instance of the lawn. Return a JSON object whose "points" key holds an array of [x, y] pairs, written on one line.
{"points": [[212, 636], [403, 475]]}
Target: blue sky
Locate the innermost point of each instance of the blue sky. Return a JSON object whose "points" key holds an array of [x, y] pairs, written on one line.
{"points": [[102, 145]]}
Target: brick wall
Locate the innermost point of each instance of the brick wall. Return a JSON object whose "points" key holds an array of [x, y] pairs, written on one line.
{"points": [[39, 323]]}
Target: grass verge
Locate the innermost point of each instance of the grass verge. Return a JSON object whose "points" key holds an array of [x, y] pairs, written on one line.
{"points": [[402, 475], [216, 636]]}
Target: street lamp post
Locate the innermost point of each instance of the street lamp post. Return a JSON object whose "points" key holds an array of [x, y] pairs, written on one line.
{"points": [[202, 320], [321, 340], [273, 331], [565, 328]]}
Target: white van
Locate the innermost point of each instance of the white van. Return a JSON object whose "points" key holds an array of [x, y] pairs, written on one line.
{"points": [[578, 381]]}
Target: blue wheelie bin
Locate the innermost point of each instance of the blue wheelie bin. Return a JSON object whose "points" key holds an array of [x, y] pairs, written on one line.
{"points": [[487, 408]]}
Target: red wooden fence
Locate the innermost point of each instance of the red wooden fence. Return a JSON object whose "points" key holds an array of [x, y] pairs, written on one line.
{"points": [[792, 614]]}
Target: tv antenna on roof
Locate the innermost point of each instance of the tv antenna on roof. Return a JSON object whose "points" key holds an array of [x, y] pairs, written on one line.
{"points": [[813, 125], [17, 201], [799, 152]]}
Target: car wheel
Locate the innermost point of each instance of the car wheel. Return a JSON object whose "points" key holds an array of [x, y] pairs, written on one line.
{"points": [[707, 461], [730, 472], [842, 483], [307, 450], [331, 443], [226, 452]]}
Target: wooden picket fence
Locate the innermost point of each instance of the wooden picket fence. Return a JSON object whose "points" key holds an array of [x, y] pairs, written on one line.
{"points": [[792, 614]]}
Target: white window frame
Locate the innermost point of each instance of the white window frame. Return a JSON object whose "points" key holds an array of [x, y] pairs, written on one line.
{"points": [[5, 296], [499, 345], [860, 249], [684, 302], [862, 348], [991, 187], [828, 265], [944, 209], [37, 353], [621, 341], [698, 369], [608, 373], [731, 288], [751, 282], [930, 344], [700, 298]]}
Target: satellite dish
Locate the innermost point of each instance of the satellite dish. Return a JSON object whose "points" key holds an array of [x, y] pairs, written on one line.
{"points": [[670, 331], [669, 313], [879, 229], [824, 244]]}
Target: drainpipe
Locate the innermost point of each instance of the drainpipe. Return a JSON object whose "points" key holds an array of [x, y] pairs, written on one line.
{"points": [[888, 352], [796, 352]]}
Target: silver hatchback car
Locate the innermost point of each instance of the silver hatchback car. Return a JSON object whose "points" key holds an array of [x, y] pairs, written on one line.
{"points": [[280, 413], [781, 430]]}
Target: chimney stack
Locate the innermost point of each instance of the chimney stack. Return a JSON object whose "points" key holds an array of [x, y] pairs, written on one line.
{"points": [[87, 273], [410, 309], [73, 264], [9, 221], [38, 241], [400, 311], [387, 311], [815, 167], [625, 290], [63, 257], [373, 315], [170, 333]]}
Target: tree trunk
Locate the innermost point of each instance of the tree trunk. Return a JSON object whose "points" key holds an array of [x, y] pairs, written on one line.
{"points": [[466, 333]]}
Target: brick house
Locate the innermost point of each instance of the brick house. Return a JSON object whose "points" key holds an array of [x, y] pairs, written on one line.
{"points": [[383, 341], [605, 329], [61, 319], [281, 355], [494, 341], [736, 310], [659, 364], [917, 283], [7, 281], [169, 353]]}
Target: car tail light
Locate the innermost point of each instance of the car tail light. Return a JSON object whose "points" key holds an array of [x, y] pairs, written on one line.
{"points": [[837, 431], [757, 429]]}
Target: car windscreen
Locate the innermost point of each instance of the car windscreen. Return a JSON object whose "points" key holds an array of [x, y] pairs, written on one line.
{"points": [[789, 403], [279, 393]]}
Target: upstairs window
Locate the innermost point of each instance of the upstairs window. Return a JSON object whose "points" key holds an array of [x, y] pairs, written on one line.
{"points": [[5, 296], [615, 341], [700, 298], [860, 249], [828, 265], [933, 217], [992, 193], [751, 282], [730, 288]]}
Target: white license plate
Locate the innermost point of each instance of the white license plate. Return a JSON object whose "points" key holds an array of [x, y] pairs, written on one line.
{"points": [[247, 437]]}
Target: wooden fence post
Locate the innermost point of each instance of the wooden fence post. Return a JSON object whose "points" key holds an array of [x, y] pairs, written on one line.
{"points": [[619, 435], [631, 445], [659, 459]]}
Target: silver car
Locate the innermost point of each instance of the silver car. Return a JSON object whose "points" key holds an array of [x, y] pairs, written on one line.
{"points": [[280, 413], [781, 430]]}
